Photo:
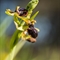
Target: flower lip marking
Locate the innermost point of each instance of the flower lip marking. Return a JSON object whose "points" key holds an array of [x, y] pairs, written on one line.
{"points": [[32, 31]]}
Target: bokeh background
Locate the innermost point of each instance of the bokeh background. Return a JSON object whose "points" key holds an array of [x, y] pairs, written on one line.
{"points": [[47, 46]]}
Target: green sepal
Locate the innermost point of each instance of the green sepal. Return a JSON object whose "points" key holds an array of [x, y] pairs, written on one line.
{"points": [[8, 12]]}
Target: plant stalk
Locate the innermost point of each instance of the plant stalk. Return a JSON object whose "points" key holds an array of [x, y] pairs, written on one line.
{"points": [[15, 50]]}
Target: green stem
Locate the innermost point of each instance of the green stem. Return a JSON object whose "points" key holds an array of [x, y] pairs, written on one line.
{"points": [[15, 50], [14, 39]]}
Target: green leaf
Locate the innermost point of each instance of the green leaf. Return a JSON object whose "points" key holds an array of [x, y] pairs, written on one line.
{"points": [[4, 25], [14, 39], [15, 50], [32, 18], [31, 6]]}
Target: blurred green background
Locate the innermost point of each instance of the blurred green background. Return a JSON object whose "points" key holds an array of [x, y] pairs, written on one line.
{"points": [[47, 46]]}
